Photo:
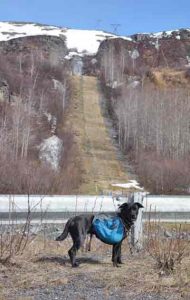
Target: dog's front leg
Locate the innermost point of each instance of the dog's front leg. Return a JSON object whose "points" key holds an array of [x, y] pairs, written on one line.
{"points": [[115, 253], [119, 261]]}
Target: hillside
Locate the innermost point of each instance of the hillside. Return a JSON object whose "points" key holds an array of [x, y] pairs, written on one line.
{"points": [[167, 48], [53, 82]]}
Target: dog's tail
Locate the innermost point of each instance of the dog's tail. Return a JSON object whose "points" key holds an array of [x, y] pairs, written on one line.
{"points": [[65, 231]]}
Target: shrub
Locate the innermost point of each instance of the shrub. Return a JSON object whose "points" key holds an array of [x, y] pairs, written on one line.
{"points": [[166, 248]]}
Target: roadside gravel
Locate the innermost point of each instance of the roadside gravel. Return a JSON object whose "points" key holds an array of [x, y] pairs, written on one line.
{"points": [[84, 287]]}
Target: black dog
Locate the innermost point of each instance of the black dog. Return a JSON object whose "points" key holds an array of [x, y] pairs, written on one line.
{"points": [[81, 225]]}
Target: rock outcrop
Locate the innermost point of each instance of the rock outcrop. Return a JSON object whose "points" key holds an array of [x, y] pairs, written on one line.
{"points": [[117, 57]]}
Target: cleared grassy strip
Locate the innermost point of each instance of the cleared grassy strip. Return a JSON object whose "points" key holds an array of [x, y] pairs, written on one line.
{"points": [[97, 152]]}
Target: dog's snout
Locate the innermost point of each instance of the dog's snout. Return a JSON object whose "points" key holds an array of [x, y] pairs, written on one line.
{"points": [[133, 216]]}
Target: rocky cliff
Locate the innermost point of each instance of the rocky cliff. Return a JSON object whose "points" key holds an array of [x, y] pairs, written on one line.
{"points": [[118, 58], [99, 50]]}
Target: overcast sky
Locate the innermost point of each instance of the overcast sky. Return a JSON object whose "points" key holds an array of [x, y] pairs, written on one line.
{"points": [[131, 15]]}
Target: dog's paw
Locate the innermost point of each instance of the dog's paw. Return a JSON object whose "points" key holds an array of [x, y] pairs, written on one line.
{"points": [[75, 265], [120, 262], [115, 265]]}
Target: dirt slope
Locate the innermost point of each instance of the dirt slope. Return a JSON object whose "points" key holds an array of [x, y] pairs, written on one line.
{"points": [[100, 165]]}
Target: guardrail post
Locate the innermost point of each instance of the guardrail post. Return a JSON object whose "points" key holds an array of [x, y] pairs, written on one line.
{"points": [[137, 230]]}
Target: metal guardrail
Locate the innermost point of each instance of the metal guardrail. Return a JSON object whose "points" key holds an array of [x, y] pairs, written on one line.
{"points": [[61, 207], [57, 209]]}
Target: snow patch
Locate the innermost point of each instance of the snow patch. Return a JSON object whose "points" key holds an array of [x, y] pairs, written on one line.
{"points": [[72, 54], [133, 84], [162, 34], [188, 60], [134, 54], [128, 185], [178, 37], [167, 34], [48, 116], [50, 151]]}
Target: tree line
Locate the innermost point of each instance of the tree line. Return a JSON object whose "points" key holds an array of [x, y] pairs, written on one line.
{"points": [[154, 132], [153, 126]]}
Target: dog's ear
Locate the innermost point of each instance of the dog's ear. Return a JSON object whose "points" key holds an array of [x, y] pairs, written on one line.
{"points": [[139, 205], [124, 205]]}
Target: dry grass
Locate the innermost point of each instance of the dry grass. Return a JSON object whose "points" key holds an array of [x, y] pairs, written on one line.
{"points": [[97, 152], [185, 227], [45, 264], [169, 78]]}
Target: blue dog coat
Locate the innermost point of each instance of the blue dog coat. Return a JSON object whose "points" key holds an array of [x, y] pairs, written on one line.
{"points": [[109, 229]]}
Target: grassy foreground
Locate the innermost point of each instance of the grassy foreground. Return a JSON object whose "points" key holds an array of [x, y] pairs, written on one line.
{"points": [[44, 266]]}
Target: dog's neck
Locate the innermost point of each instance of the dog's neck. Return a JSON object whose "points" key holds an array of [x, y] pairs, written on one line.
{"points": [[127, 223]]}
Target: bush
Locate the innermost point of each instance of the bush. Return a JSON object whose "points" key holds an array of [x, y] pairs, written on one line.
{"points": [[166, 248]]}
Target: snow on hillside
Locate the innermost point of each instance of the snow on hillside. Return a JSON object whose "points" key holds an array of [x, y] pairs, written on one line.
{"points": [[84, 41], [130, 185], [159, 35], [78, 41], [50, 151]]}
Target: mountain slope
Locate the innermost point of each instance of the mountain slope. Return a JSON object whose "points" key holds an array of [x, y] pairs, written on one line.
{"points": [[77, 41], [123, 65]]}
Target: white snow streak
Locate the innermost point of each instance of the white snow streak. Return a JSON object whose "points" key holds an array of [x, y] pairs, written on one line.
{"points": [[128, 185]]}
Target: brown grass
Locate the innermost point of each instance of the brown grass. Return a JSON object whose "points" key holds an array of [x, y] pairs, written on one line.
{"points": [[169, 77], [45, 264]]}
